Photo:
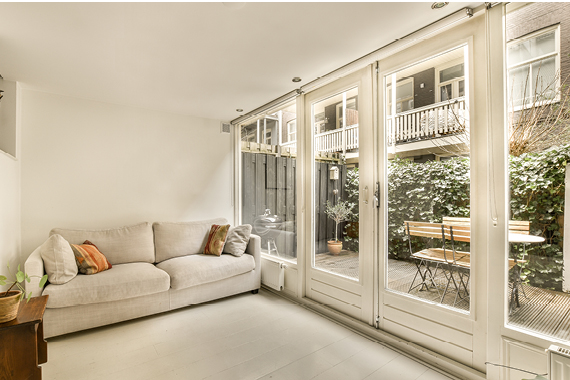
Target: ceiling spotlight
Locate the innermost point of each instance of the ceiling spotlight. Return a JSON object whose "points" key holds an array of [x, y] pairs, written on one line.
{"points": [[296, 79], [239, 110], [439, 5]]}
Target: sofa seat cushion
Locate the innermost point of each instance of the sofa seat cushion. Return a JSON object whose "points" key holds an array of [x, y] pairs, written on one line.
{"points": [[120, 282], [201, 269]]}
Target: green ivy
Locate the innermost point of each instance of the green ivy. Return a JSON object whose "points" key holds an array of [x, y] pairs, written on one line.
{"points": [[434, 189], [352, 195], [537, 195], [424, 192]]}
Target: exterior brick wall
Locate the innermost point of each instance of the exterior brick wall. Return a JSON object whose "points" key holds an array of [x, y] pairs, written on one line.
{"points": [[424, 96], [536, 16]]}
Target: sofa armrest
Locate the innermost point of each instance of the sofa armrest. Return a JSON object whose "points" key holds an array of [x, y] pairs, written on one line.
{"points": [[34, 268], [254, 249]]}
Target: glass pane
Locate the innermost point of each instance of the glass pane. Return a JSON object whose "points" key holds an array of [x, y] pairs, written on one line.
{"points": [[543, 44], [404, 91], [535, 47], [461, 88], [451, 73], [519, 86], [519, 52], [446, 92], [336, 185], [428, 225], [544, 79], [269, 200], [538, 282]]}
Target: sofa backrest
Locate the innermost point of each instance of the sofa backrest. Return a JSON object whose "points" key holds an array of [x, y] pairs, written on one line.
{"points": [[120, 245], [175, 239]]}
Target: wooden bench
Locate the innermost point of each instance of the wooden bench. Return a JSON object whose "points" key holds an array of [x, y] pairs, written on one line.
{"points": [[517, 226]]}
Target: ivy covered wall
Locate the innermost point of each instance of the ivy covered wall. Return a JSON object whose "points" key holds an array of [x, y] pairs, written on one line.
{"points": [[434, 189]]}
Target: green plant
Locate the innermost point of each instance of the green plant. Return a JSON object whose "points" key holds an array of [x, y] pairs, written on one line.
{"points": [[424, 192], [19, 278], [351, 188], [339, 212], [537, 195]]}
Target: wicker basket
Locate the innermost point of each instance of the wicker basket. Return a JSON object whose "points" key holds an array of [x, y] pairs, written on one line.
{"points": [[9, 306]]}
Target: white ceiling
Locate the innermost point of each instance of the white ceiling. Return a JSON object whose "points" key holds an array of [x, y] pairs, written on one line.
{"points": [[201, 59]]}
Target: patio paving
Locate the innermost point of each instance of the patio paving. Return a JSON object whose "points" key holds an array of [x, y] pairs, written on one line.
{"points": [[544, 311]]}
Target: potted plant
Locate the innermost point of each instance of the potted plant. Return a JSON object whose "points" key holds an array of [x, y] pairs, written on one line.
{"points": [[339, 212], [10, 299]]}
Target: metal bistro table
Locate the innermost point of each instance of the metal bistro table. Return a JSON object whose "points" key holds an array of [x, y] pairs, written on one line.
{"points": [[524, 239]]}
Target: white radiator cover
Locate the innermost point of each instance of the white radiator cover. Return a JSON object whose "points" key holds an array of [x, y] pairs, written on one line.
{"points": [[273, 274], [558, 363]]}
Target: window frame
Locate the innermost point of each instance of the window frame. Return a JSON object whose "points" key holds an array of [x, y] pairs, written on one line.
{"points": [[453, 82], [529, 62]]}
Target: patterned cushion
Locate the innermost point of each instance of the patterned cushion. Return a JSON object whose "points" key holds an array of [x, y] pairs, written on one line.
{"points": [[89, 259], [216, 239]]}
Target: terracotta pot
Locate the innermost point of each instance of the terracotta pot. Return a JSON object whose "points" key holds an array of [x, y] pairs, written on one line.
{"points": [[334, 247], [9, 306]]}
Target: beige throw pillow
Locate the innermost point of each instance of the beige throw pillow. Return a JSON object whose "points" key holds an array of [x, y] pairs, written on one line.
{"points": [[237, 239], [59, 260]]}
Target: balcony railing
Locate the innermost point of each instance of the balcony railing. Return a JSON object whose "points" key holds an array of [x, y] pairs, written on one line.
{"points": [[435, 120]]}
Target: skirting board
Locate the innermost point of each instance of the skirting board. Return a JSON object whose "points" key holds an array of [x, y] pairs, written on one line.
{"points": [[431, 359]]}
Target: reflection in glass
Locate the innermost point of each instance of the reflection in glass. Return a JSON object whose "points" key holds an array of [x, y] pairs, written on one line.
{"points": [[428, 176], [269, 162], [336, 162]]}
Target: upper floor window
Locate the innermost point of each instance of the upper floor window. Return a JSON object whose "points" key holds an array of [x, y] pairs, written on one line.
{"points": [[292, 130], [451, 81], [404, 95], [533, 68]]}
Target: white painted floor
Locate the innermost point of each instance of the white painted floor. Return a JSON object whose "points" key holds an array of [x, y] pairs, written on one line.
{"points": [[248, 336]]}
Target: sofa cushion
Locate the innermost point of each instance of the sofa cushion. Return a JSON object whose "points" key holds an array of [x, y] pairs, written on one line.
{"points": [[237, 239], [175, 239], [120, 245], [201, 269], [89, 259], [121, 282], [216, 239], [59, 261]]}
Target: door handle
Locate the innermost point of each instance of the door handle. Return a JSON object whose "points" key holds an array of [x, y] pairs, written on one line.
{"points": [[377, 195]]}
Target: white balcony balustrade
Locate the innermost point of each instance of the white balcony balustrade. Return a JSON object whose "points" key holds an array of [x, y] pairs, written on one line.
{"points": [[433, 121]]}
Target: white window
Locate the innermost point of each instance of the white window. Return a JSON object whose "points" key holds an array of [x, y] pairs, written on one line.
{"points": [[451, 81], [404, 95], [533, 68], [292, 130]]}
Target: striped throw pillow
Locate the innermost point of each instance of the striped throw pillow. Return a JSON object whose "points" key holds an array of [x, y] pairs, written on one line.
{"points": [[216, 239], [89, 259]]}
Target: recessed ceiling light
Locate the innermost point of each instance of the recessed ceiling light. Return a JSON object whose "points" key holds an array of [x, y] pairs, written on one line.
{"points": [[239, 110], [439, 5], [296, 79]]}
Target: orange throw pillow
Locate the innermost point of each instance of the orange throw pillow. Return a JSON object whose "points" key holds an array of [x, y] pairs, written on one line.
{"points": [[216, 239], [89, 259]]}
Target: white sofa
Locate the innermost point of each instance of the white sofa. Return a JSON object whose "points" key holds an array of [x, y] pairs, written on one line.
{"points": [[155, 268]]}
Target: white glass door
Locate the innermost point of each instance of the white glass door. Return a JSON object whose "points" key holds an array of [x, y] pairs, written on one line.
{"points": [[338, 134], [431, 282]]}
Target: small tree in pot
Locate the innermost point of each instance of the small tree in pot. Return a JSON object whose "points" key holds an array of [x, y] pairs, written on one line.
{"points": [[339, 212]]}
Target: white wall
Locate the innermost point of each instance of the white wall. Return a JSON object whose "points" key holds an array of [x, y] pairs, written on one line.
{"points": [[9, 181], [89, 164]]}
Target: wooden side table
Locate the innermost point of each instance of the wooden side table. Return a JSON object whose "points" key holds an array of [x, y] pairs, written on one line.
{"points": [[22, 344]]}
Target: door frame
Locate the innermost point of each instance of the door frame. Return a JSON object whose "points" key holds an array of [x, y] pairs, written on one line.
{"points": [[355, 298], [399, 314]]}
